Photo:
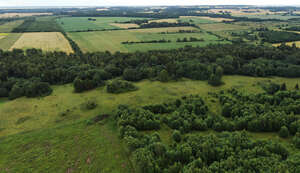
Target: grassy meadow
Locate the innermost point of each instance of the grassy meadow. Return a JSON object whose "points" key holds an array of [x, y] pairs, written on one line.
{"points": [[52, 132], [83, 24], [112, 40], [8, 40], [9, 26], [47, 41]]}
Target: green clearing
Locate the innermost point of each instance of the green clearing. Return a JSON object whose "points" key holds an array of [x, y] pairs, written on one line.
{"points": [[9, 26], [112, 40], [83, 24], [49, 141], [8, 41]]}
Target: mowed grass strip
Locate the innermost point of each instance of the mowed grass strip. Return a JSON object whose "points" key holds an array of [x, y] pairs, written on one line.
{"points": [[9, 26], [8, 40], [47, 41]]}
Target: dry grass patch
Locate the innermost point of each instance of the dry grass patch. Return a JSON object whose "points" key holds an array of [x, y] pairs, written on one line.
{"points": [[47, 41], [289, 44], [8, 15], [125, 25], [164, 20], [208, 18]]}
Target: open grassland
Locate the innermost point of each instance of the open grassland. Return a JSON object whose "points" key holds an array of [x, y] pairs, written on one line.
{"points": [[46, 140], [47, 41], [9, 15], [83, 24], [64, 149], [8, 40], [112, 40], [9, 26], [63, 105]]}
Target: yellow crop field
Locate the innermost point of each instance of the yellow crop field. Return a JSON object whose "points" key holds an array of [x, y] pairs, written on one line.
{"points": [[47, 41], [125, 25]]}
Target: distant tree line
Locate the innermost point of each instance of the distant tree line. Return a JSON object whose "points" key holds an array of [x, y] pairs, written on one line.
{"points": [[164, 24], [147, 41], [191, 39], [278, 36]]}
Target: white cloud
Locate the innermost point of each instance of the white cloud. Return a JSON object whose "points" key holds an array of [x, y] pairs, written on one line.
{"points": [[142, 2]]}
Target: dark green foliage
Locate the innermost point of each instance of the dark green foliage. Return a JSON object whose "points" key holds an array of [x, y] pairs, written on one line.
{"points": [[272, 88], [262, 112], [29, 88], [278, 36], [283, 87], [163, 76], [90, 79], [176, 136], [284, 132], [215, 78], [120, 86], [140, 119], [4, 92], [296, 140], [193, 63]]}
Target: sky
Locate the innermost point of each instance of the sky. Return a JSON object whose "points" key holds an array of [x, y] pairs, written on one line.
{"points": [[15, 3]]}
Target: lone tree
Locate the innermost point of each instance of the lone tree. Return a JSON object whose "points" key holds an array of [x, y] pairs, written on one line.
{"points": [[284, 132], [297, 87], [283, 87]]}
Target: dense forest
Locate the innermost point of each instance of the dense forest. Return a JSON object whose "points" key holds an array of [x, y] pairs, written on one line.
{"points": [[91, 70], [221, 152]]}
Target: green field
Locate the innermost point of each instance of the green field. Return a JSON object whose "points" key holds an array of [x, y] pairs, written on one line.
{"points": [[83, 24], [8, 41], [46, 140], [9, 26], [112, 40]]}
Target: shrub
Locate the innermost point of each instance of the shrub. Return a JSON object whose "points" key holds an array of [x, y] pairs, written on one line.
{"points": [[176, 136], [284, 132], [120, 86]]}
